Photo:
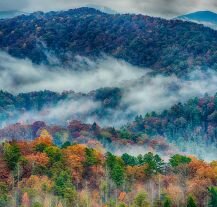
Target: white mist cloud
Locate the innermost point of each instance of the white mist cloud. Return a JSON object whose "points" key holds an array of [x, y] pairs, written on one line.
{"points": [[204, 23], [18, 75], [62, 113], [160, 92]]}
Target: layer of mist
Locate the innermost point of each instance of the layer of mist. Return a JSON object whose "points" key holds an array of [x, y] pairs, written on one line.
{"points": [[84, 75], [142, 92]]}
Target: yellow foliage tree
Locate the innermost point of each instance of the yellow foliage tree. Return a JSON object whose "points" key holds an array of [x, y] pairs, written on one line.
{"points": [[38, 183], [44, 138]]}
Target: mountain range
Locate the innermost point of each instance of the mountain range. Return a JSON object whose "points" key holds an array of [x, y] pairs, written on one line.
{"points": [[166, 46]]}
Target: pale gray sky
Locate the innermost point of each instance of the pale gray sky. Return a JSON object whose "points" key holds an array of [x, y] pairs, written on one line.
{"points": [[164, 8]]}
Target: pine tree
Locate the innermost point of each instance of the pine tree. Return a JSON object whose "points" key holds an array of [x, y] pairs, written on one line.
{"points": [[213, 196], [191, 202], [167, 203], [141, 200]]}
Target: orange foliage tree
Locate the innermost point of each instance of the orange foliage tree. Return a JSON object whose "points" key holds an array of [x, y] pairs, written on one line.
{"points": [[38, 183], [38, 158], [136, 172], [75, 157]]}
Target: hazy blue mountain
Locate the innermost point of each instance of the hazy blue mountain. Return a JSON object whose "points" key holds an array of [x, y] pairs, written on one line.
{"points": [[207, 18]]}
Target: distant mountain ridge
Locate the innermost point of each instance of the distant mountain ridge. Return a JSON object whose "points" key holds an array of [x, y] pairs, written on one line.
{"points": [[207, 18], [166, 46]]}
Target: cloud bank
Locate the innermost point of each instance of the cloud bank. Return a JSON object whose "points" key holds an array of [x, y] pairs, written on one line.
{"points": [[164, 8], [18, 75]]}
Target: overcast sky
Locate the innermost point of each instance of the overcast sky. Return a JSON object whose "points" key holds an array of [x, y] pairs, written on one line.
{"points": [[163, 8]]}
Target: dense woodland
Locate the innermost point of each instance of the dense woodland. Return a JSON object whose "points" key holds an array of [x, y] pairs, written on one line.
{"points": [[167, 46], [195, 118], [38, 173]]}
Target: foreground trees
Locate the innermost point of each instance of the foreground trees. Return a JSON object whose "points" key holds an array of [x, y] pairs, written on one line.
{"points": [[42, 174]]}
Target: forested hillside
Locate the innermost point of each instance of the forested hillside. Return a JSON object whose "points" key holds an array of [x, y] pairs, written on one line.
{"points": [[167, 46], [188, 127], [195, 118]]}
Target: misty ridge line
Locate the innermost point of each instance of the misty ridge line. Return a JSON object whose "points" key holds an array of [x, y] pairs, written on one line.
{"points": [[142, 91], [66, 39], [204, 23]]}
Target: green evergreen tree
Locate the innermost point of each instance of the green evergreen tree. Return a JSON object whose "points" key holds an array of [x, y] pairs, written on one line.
{"points": [[191, 202], [167, 203], [117, 174], [141, 200], [64, 188], [90, 157], [54, 154], [12, 155], [177, 160], [116, 169], [213, 196], [154, 162]]}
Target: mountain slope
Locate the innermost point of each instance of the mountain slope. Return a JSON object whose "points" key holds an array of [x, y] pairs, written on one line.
{"points": [[194, 120], [167, 46], [191, 126]]}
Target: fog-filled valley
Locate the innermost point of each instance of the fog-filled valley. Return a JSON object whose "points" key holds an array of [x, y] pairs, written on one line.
{"points": [[109, 92], [113, 85]]}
